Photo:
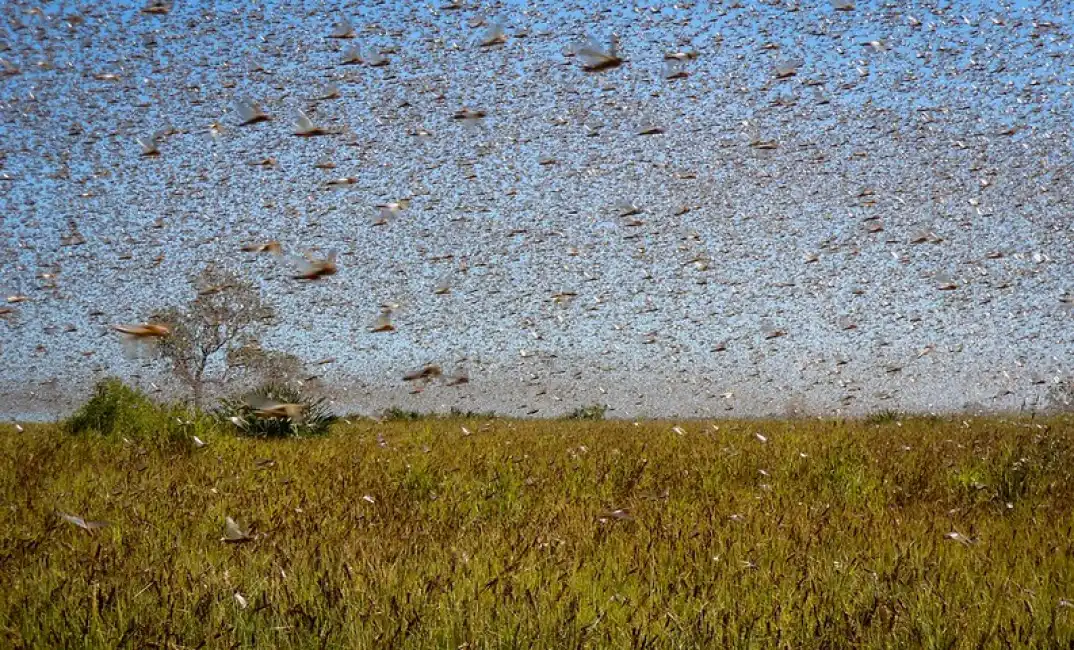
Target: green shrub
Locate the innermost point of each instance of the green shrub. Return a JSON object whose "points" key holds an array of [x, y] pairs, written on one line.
{"points": [[119, 410], [116, 409], [591, 412], [315, 420]]}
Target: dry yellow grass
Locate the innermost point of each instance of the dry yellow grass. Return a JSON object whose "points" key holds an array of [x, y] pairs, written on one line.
{"points": [[920, 533]]}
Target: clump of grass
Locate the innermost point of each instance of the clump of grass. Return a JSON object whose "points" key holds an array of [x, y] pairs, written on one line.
{"points": [[591, 412], [315, 420], [885, 416], [526, 533], [471, 415], [398, 414]]}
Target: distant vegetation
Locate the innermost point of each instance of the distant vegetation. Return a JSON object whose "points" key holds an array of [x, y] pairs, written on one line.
{"points": [[118, 410], [400, 414], [453, 532], [591, 412], [883, 417]]}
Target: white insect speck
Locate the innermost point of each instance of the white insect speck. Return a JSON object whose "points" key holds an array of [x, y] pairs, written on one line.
{"points": [[343, 29], [89, 526], [304, 125], [232, 533], [249, 112], [351, 55], [149, 144]]}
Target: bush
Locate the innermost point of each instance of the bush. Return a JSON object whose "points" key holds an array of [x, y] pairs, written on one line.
{"points": [[591, 412], [315, 419], [116, 409]]}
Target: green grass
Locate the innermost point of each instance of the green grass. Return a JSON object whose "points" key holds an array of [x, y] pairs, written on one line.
{"points": [[830, 534]]}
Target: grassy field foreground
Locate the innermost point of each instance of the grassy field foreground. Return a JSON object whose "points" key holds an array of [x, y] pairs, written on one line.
{"points": [[921, 533]]}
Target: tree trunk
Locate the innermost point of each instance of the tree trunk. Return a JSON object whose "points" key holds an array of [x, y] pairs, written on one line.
{"points": [[198, 384]]}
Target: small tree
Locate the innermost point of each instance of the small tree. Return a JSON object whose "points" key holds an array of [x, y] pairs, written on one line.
{"points": [[226, 314], [257, 365]]}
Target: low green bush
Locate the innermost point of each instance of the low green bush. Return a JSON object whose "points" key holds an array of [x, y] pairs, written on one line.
{"points": [[591, 412], [118, 410]]}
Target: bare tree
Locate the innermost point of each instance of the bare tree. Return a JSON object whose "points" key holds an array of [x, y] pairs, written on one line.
{"points": [[258, 365], [226, 315]]}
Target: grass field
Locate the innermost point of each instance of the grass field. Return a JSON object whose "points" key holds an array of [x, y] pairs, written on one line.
{"points": [[553, 534]]}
